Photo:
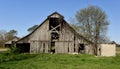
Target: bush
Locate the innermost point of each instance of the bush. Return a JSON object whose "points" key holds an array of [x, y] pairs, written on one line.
{"points": [[14, 50]]}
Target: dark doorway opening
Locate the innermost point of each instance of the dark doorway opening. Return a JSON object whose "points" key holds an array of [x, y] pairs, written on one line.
{"points": [[68, 49], [81, 47], [53, 47], [8, 45], [23, 47], [74, 49], [43, 47]]}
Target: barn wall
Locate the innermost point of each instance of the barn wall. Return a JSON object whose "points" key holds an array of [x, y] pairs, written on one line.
{"points": [[40, 39], [66, 40], [88, 49], [64, 47], [39, 47], [41, 33], [66, 34], [77, 41]]}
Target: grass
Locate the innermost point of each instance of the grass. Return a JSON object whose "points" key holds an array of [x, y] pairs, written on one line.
{"points": [[57, 61], [117, 50]]}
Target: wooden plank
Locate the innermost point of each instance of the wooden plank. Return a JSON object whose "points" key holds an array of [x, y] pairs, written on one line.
{"points": [[66, 47], [40, 40], [56, 47]]}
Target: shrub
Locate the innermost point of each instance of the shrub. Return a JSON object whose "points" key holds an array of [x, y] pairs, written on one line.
{"points": [[14, 50]]}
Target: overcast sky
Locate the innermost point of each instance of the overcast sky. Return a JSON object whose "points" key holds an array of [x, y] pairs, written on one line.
{"points": [[22, 14]]}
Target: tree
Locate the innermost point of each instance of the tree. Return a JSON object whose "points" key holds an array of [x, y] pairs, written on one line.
{"points": [[10, 35], [6, 36], [32, 28], [2, 37], [75, 26], [93, 22]]}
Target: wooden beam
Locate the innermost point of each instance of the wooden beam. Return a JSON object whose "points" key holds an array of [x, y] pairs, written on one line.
{"points": [[54, 28], [40, 40]]}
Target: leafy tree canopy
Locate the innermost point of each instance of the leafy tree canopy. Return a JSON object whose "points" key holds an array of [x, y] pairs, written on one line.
{"points": [[32, 28]]}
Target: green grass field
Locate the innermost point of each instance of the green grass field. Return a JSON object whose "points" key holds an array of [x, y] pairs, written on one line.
{"points": [[58, 61], [118, 50]]}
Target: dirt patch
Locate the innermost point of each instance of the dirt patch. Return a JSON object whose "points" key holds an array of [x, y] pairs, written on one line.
{"points": [[3, 50]]}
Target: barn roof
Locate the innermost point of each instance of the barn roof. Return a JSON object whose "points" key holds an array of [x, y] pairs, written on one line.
{"points": [[57, 14], [77, 34]]}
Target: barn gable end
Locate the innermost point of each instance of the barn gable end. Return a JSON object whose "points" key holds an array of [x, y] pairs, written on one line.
{"points": [[55, 35]]}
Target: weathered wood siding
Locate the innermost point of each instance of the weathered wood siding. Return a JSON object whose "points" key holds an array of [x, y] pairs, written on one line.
{"points": [[65, 42], [40, 39]]}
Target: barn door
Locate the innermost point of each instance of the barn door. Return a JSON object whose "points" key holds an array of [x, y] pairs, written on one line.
{"points": [[24, 47]]}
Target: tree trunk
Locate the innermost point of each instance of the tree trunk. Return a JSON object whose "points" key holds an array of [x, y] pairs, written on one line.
{"points": [[96, 38]]}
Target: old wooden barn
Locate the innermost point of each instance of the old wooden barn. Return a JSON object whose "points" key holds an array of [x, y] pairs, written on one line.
{"points": [[54, 35]]}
